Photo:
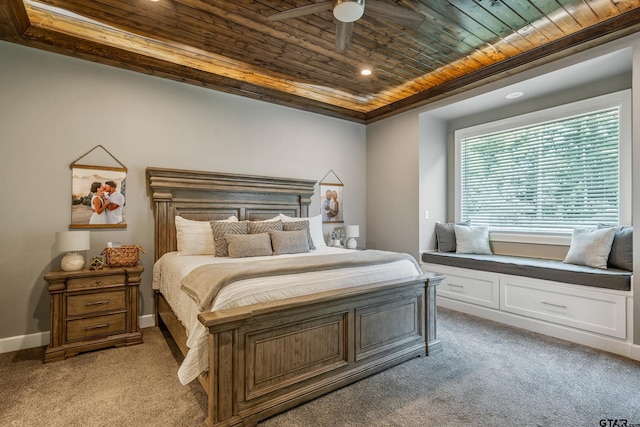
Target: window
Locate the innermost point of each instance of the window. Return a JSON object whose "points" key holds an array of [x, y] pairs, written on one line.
{"points": [[547, 172]]}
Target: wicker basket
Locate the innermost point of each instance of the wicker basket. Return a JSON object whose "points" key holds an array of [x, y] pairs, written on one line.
{"points": [[122, 256]]}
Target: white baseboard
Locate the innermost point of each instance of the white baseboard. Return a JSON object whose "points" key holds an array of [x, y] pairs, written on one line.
{"points": [[40, 339], [635, 352], [147, 321], [611, 345], [24, 341]]}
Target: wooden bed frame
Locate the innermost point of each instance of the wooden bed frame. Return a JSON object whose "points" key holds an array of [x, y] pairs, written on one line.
{"points": [[267, 358]]}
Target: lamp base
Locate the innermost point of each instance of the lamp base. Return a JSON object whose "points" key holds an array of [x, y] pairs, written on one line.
{"points": [[351, 243], [72, 262]]}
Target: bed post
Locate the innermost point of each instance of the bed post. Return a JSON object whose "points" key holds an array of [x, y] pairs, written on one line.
{"points": [[304, 206], [433, 344], [222, 380]]}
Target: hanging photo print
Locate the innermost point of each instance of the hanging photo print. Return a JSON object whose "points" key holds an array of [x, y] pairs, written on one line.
{"points": [[331, 202], [98, 197]]}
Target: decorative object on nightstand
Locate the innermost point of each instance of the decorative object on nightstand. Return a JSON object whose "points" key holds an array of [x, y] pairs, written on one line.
{"points": [[122, 256], [352, 231], [70, 242], [96, 263], [337, 235], [92, 309]]}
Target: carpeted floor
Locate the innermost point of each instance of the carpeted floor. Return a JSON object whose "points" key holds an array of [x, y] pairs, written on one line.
{"points": [[488, 375]]}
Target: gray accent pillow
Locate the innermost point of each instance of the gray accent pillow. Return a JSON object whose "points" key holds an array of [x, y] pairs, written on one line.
{"points": [[590, 247], [248, 245], [300, 225], [446, 237], [256, 227], [472, 240], [621, 255], [220, 228], [289, 242]]}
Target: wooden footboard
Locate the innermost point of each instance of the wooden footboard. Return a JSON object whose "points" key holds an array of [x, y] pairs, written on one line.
{"points": [[268, 358]]}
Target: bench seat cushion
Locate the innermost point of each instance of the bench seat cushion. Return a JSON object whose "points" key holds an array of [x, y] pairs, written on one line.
{"points": [[545, 269]]}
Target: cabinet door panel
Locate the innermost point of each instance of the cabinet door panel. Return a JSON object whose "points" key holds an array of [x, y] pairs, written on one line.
{"points": [[587, 310]]}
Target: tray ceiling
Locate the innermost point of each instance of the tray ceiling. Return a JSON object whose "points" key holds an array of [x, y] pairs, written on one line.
{"points": [[235, 48]]}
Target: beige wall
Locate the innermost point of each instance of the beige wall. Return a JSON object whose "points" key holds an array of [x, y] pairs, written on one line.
{"points": [[53, 109], [392, 184]]}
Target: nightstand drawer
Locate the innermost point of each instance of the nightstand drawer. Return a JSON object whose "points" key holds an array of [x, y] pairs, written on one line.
{"points": [[94, 303], [94, 282], [95, 326]]}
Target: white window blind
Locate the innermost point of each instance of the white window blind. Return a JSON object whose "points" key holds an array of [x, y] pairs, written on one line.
{"points": [[544, 177]]}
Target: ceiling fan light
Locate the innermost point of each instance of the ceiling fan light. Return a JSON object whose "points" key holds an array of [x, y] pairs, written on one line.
{"points": [[348, 10]]}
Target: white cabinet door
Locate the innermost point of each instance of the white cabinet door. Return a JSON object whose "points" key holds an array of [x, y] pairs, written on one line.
{"points": [[592, 311], [475, 287]]}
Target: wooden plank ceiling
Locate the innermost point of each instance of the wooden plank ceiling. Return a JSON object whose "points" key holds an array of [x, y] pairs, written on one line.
{"points": [[232, 46]]}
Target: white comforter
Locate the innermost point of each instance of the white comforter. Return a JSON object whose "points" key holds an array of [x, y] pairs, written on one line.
{"points": [[171, 268]]}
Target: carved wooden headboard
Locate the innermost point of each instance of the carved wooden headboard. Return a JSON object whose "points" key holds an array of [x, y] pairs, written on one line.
{"points": [[206, 196]]}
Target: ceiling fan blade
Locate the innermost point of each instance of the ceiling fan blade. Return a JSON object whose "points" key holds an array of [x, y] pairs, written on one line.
{"points": [[343, 35], [301, 11], [393, 13]]}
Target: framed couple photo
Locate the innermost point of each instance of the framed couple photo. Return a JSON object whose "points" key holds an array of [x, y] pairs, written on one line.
{"points": [[98, 197], [331, 202]]}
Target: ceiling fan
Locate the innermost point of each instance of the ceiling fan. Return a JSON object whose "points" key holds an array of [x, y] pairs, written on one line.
{"points": [[347, 12]]}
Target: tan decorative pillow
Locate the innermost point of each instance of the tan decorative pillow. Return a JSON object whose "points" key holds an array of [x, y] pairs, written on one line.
{"points": [[300, 225], [256, 227], [248, 245], [220, 228], [289, 242], [315, 228]]}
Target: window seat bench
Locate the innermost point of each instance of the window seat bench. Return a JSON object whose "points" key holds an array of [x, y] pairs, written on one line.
{"points": [[585, 305], [544, 269]]}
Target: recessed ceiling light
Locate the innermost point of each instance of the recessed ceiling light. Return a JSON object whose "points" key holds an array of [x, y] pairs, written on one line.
{"points": [[514, 95], [366, 72]]}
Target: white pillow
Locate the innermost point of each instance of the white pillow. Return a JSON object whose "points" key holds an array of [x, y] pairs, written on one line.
{"points": [[196, 237], [590, 247], [315, 228], [472, 240]]}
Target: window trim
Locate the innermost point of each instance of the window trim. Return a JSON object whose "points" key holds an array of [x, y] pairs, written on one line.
{"points": [[621, 99]]}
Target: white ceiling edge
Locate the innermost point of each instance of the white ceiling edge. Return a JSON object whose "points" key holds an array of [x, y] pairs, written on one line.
{"points": [[601, 62]]}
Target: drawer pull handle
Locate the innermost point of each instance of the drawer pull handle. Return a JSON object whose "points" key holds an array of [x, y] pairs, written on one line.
{"points": [[453, 285], [554, 305], [89, 304], [88, 328]]}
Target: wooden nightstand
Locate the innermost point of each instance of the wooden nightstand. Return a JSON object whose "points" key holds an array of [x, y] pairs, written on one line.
{"points": [[92, 309]]}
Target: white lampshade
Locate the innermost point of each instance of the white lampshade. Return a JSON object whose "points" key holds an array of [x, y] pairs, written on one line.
{"points": [[348, 10], [352, 230], [70, 242]]}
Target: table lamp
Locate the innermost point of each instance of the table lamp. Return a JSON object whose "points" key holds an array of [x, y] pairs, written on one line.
{"points": [[71, 242], [352, 231]]}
